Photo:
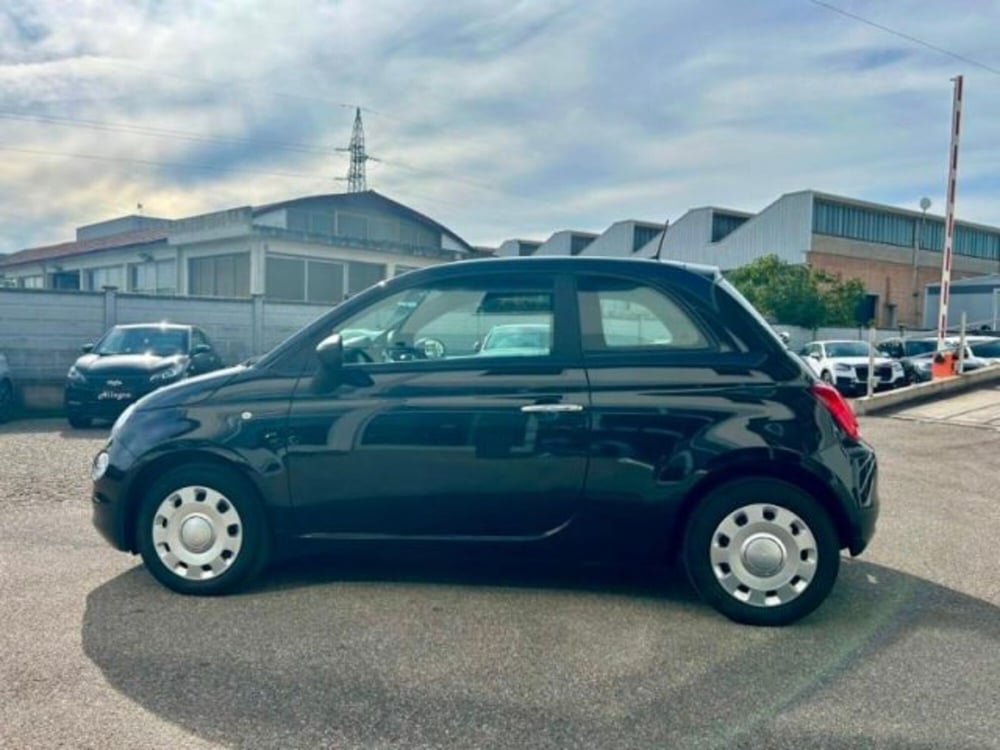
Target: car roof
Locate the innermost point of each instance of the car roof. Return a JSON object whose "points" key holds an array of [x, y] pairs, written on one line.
{"points": [[577, 263], [162, 326]]}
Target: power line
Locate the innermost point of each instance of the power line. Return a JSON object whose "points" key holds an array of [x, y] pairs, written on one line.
{"points": [[907, 37], [183, 135], [157, 164]]}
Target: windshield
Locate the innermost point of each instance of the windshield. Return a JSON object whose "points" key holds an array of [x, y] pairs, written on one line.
{"points": [[988, 349], [163, 342], [847, 349], [919, 346]]}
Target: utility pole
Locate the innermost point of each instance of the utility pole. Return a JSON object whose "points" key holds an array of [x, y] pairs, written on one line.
{"points": [[357, 181], [925, 203]]}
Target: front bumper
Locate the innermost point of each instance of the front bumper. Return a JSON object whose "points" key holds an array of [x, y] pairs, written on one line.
{"points": [[111, 512]]}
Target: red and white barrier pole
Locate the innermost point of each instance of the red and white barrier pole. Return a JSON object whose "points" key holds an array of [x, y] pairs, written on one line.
{"points": [[949, 226]]}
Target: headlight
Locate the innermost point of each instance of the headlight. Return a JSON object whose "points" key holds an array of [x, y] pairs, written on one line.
{"points": [[169, 374], [101, 462], [841, 367], [75, 375], [896, 367]]}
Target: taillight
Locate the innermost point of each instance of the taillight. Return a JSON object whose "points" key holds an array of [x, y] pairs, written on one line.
{"points": [[838, 406]]}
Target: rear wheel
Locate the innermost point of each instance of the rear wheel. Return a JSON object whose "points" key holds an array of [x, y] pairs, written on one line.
{"points": [[761, 551], [201, 530]]}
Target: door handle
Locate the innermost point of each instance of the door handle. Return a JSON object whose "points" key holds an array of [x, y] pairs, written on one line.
{"points": [[551, 408]]}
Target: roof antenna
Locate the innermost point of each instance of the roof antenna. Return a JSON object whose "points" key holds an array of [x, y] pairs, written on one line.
{"points": [[663, 234]]}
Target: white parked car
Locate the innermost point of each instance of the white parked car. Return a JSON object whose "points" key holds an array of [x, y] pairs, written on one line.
{"points": [[844, 364], [6, 391]]}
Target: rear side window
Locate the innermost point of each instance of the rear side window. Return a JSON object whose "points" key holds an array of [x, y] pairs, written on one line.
{"points": [[618, 314]]}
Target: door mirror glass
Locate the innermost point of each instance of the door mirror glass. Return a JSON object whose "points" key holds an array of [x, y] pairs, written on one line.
{"points": [[201, 349], [87, 348], [331, 353]]}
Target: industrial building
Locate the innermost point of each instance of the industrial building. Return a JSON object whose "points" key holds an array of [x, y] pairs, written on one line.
{"points": [[316, 249], [894, 251], [977, 297]]}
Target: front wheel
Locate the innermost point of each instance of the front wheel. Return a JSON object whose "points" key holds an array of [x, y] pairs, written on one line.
{"points": [[201, 530], [761, 552], [79, 423]]}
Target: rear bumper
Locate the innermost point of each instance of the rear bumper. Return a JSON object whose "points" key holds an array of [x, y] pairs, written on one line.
{"points": [[862, 497]]}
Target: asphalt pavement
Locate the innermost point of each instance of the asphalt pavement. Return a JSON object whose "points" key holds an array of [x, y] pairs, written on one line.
{"points": [[352, 654]]}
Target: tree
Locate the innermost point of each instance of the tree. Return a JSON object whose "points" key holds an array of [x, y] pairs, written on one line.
{"points": [[797, 294]]}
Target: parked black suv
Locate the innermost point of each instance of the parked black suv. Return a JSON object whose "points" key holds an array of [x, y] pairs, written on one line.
{"points": [[662, 419], [128, 362]]}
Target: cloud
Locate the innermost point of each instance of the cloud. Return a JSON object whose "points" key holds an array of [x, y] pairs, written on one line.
{"points": [[499, 119]]}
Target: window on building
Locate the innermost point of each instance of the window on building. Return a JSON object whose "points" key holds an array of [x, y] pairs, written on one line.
{"points": [[641, 236], [352, 225], [617, 314], [324, 281], [31, 282], [360, 276], [285, 279], [220, 276], [725, 224], [153, 277], [578, 242], [304, 280], [98, 278]]}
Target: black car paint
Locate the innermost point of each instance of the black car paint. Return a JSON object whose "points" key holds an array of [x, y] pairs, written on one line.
{"points": [[441, 452]]}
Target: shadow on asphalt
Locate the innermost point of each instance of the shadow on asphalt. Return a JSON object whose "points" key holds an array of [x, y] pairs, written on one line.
{"points": [[422, 655]]}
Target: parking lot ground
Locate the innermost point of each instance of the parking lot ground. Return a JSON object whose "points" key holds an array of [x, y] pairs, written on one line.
{"points": [[904, 654], [978, 408]]}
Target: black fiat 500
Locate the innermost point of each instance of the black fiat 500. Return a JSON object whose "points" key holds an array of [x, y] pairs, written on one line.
{"points": [[128, 362], [657, 418]]}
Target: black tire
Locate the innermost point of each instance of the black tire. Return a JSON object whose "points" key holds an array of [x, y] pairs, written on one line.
{"points": [[79, 423], [6, 400], [794, 507], [242, 566]]}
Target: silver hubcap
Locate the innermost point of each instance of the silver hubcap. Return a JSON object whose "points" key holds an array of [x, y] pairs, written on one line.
{"points": [[763, 555], [197, 533]]}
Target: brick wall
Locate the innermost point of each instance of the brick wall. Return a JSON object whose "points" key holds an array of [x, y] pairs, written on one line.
{"points": [[887, 271]]}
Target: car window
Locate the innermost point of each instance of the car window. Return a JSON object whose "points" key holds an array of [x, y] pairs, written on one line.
{"points": [[988, 349], [162, 342], [847, 349], [616, 314], [474, 319]]}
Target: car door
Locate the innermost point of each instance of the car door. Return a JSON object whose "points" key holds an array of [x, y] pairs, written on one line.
{"points": [[661, 384], [423, 436]]}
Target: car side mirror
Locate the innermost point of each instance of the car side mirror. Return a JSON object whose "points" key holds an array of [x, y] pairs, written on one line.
{"points": [[814, 355], [201, 349], [477, 346], [87, 348], [331, 353]]}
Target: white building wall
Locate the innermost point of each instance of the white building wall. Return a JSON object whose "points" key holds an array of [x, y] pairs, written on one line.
{"points": [[686, 237], [784, 229], [615, 241], [558, 244]]}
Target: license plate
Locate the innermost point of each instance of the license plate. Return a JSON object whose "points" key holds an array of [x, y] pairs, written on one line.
{"points": [[113, 396]]}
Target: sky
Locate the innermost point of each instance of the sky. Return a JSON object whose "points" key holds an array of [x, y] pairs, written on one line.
{"points": [[497, 118]]}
